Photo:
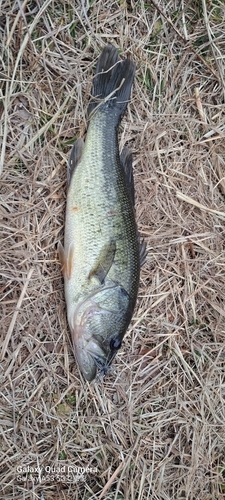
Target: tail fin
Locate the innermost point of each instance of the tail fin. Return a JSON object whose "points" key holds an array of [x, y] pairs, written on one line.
{"points": [[112, 83]]}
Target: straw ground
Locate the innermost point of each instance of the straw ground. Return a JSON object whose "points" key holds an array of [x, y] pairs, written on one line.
{"points": [[154, 427]]}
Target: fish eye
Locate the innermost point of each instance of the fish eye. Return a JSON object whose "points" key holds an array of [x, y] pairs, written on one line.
{"points": [[115, 344]]}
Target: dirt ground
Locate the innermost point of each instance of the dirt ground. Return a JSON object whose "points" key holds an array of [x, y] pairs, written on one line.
{"points": [[154, 427]]}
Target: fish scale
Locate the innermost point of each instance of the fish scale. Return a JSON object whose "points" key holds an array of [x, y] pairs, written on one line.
{"points": [[103, 214]]}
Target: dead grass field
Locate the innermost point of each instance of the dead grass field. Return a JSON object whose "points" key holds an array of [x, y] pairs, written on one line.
{"points": [[155, 427]]}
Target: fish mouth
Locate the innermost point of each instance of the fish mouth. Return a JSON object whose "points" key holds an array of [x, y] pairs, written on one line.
{"points": [[102, 361], [100, 357], [97, 327], [101, 354], [92, 355]]}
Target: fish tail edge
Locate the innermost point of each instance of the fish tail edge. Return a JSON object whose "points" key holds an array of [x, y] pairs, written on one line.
{"points": [[112, 83]]}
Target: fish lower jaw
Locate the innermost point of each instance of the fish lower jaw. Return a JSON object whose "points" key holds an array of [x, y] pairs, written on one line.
{"points": [[89, 363], [88, 353]]}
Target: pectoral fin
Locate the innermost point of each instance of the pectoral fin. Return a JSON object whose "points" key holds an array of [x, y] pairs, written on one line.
{"points": [[104, 262], [74, 158], [66, 261]]}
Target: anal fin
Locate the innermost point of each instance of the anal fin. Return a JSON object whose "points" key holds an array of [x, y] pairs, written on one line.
{"points": [[74, 158]]}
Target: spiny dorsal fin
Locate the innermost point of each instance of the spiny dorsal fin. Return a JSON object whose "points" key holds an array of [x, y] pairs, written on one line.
{"points": [[142, 250]]}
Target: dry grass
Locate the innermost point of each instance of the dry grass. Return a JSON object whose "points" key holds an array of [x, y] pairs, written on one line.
{"points": [[154, 428]]}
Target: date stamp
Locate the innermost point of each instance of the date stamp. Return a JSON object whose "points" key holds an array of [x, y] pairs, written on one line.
{"points": [[53, 474]]}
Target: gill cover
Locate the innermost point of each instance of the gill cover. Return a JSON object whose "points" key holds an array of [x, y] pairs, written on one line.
{"points": [[98, 325]]}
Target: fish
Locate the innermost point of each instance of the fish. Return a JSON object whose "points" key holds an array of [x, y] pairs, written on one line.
{"points": [[102, 252]]}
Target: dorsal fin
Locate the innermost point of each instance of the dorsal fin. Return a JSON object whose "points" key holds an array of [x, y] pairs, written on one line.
{"points": [[142, 250], [126, 163]]}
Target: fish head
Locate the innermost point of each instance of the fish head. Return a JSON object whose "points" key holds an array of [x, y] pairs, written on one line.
{"points": [[98, 327]]}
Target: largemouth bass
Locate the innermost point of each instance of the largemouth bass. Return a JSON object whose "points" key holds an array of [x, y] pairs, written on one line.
{"points": [[101, 254]]}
